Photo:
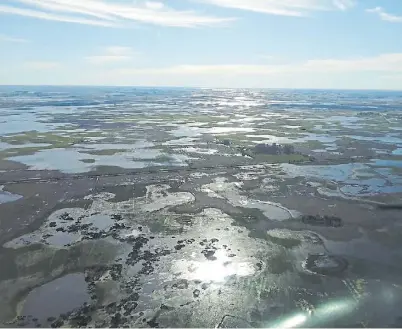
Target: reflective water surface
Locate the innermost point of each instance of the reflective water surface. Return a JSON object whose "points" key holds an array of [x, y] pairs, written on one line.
{"points": [[146, 207]]}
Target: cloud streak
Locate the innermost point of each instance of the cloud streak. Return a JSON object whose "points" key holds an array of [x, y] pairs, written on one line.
{"points": [[41, 65], [386, 63], [113, 54], [110, 13], [51, 17], [7, 38], [344, 4], [384, 15], [283, 7]]}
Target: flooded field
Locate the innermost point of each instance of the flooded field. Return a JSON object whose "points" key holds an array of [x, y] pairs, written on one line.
{"points": [[200, 208]]}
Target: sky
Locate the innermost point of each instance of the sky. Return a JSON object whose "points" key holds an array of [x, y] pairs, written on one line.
{"points": [[341, 44]]}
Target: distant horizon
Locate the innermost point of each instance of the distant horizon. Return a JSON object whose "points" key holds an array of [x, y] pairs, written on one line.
{"points": [[195, 87]]}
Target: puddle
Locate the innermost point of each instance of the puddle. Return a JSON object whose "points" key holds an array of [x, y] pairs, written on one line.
{"points": [[178, 160], [6, 146], [6, 197], [388, 139], [261, 139], [285, 140], [346, 121], [200, 150], [325, 264], [398, 151], [217, 270], [185, 131], [66, 227], [70, 161], [73, 161], [387, 163], [69, 226], [158, 198], [24, 121], [57, 297], [244, 176], [332, 147], [292, 127], [320, 138], [180, 141], [244, 118], [339, 173], [190, 131], [229, 130], [361, 188], [231, 192], [351, 180], [117, 146]]}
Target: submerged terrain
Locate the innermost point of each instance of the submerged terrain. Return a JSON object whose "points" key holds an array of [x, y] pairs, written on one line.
{"points": [[144, 207]]}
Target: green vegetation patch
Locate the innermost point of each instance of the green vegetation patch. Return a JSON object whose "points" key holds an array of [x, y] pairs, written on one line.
{"points": [[285, 242], [282, 158], [88, 160], [43, 137], [103, 152], [12, 152], [279, 264], [312, 145]]}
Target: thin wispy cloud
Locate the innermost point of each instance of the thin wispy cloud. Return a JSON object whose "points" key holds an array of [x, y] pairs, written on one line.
{"points": [[344, 4], [112, 54], [8, 38], [110, 13], [384, 15], [154, 5], [390, 62], [386, 63], [51, 17], [393, 77], [41, 65], [283, 7], [265, 57]]}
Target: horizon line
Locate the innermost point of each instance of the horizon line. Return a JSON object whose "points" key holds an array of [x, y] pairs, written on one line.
{"points": [[200, 87]]}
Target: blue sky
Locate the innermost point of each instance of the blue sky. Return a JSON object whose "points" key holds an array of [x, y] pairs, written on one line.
{"points": [[345, 44]]}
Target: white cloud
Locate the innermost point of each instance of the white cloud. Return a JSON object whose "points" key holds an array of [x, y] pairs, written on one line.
{"points": [[8, 38], [111, 13], [154, 5], [112, 55], [344, 4], [105, 59], [376, 72], [41, 65], [265, 57], [119, 50], [283, 7], [382, 63], [385, 16], [51, 17], [387, 63]]}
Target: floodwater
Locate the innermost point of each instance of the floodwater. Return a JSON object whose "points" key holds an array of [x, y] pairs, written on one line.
{"points": [[145, 207]]}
